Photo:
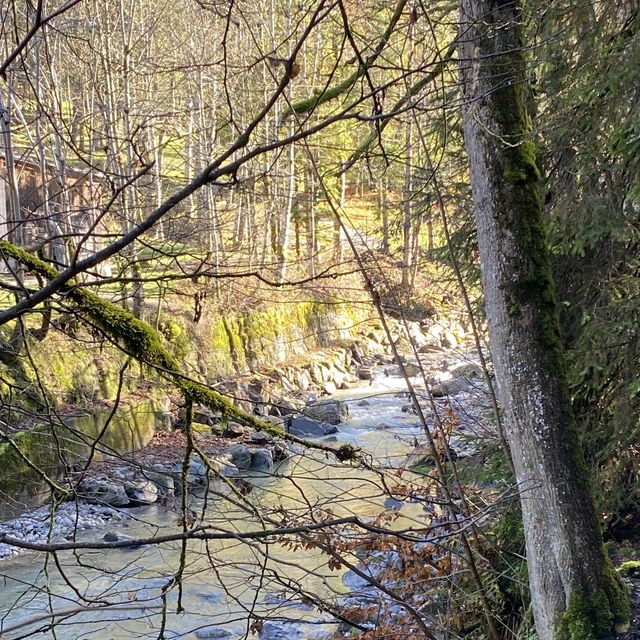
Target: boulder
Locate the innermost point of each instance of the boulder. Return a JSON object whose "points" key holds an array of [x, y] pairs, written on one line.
{"points": [[331, 411], [303, 379], [364, 373], [240, 455], [259, 437], [470, 371], [224, 464], [163, 481], [262, 460], [410, 368], [103, 492], [204, 415], [307, 427], [448, 340], [279, 453], [329, 387], [141, 492], [115, 536]]}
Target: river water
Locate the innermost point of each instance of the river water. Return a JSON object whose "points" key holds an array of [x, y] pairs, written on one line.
{"points": [[222, 581]]}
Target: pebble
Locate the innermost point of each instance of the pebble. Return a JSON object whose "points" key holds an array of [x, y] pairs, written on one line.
{"points": [[69, 516]]}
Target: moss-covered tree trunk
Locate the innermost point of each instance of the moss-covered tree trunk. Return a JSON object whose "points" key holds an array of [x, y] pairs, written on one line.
{"points": [[575, 592]]}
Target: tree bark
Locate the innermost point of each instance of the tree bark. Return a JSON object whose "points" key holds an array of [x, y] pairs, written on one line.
{"points": [[575, 592]]}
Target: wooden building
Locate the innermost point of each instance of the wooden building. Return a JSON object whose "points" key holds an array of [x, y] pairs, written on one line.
{"points": [[56, 209]]}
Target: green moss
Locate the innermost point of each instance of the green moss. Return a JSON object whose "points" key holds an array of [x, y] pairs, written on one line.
{"points": [[595, 615], [31, 460], [629, 567]]}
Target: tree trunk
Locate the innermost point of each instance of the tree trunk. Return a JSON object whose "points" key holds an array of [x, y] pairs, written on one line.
{"points": [[575, 592]]}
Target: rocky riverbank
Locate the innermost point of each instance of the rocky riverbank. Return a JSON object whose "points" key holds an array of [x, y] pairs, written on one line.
{"points": [[295, 395]]}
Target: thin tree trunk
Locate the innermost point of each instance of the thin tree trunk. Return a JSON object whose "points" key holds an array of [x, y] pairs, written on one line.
{"points": [[576, 595]]}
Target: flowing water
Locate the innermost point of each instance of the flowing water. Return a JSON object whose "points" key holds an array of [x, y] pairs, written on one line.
{"points": [[222, 581]]}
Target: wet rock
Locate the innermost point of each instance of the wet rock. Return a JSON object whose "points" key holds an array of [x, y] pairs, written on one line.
{"points": [[141, 492], [214, 598], [363, 403], [240, 455], [103, 492], [259, 437], [279, 453], [469, 371], [393, 503], [282, 630], [262, 460], [213, 633], [164, 477], [234, 430], [410, 369], [365, 373], [197, 467], [330, 411], [376, 564], [224, 464], [115, 536], [307, 427]]}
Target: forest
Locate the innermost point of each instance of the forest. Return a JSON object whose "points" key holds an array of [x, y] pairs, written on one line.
{"points": [[320, 319]]}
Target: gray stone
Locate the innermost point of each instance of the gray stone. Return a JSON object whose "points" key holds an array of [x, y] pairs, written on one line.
{"points": [[306, 427], [393, 504], [141, 492], [213, 633], [197, 467], [262, 460], [204, 415], [240, 455], [259, 437], [330, 411], [329, 387], [364, 373], [279, 453], [363, 403], [103, 492]]}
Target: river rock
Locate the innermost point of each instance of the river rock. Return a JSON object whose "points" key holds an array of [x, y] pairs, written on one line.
{"points": [[260, 437], [141, 492], [103, 492], [164, 482], [204, 415], [377, 564], [410, 368], [283, 630], [115, 536], [279, 453], [452, 387], [393, 503], [307, 427], [262, 460], [329, 387], [224, 465], [469, 371], [363, 403], [240, 455], [365, 373], [213, 633], [331, 411]]}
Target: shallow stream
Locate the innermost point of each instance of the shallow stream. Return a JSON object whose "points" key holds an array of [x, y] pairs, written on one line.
{"points": [[222, 581]]}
